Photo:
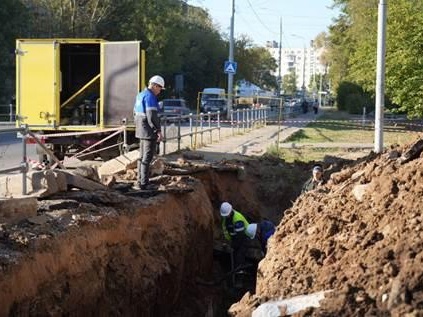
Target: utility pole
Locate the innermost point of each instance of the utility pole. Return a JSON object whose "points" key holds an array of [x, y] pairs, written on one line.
{"points": [[280, 86], [380, 76], [231, 59], [320, 90], [304, 65]]}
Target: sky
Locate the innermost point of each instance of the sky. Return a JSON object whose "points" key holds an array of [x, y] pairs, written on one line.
{"points": [[302, 20]]}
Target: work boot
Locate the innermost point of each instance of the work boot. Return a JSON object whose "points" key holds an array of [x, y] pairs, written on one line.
{"points": [[149, 186], [136, 186]]}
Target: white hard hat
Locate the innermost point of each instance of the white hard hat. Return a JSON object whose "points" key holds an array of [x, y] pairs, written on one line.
{"points": [[158, 80], [225, 209], [251, 230]]}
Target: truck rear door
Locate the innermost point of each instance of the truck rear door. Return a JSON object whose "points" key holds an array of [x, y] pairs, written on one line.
{"points": [[37, 79], [120, 83]]}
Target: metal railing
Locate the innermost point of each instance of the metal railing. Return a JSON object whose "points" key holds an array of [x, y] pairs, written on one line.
{"points": [[199, 129], [209, 124], [7, 113]]}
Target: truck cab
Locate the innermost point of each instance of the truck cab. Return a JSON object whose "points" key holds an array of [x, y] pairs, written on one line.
{"points": [[211, 93]]}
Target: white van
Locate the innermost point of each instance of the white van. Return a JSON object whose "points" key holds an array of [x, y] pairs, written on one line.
{"points": [[211, 93]]}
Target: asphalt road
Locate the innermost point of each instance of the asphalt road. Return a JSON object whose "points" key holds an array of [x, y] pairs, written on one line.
{"points": [[11, 149]]}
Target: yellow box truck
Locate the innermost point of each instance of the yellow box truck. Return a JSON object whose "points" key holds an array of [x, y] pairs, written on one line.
{"points": [[76, 92]]}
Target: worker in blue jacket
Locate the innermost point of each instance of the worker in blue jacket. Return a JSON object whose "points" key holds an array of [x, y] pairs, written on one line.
{"points": [[262, 231], [147, 127]]}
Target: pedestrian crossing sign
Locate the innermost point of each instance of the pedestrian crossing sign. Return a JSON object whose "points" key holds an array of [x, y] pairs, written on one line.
{"points": [[230, 67]]}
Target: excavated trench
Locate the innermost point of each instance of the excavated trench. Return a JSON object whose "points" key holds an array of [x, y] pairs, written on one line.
{"points": [[109, 253]]}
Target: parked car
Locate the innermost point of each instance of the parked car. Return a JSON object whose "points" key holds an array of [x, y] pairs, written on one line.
{"points": [[214, 105], [174, 107]]}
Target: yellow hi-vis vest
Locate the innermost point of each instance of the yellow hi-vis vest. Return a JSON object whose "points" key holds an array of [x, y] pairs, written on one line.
{"points": [[237, 224]]}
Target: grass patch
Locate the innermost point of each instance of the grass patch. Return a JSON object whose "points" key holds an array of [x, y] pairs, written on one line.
{"points": [[310, 154], [347, 133], [338, 127]]}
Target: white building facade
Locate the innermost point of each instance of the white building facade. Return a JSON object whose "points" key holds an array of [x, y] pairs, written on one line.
{"points": [[304, 61]]}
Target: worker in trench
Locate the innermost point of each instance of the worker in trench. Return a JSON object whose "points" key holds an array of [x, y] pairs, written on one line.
{"points": [[316, 180], [261, 231], [234, 226]]}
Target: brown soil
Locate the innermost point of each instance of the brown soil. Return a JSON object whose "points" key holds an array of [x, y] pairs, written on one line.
{"points": [[361, 236], [111, 253], [103, 253], [108, 253]]}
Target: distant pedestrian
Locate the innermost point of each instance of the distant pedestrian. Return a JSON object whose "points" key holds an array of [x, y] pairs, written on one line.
{"points": [[315, 180], [262, 231], [148, 129], [316, 107], [304, 106]]}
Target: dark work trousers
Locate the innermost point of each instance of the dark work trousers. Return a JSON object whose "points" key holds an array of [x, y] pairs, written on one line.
{"points": [[147, 150], [239, 244]]}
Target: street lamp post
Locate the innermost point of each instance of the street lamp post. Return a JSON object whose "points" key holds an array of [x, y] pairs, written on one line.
{"points": [[280, 86], [304, 61]]}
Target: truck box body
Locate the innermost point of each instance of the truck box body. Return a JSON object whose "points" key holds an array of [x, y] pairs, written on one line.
{"points": [[77, 85]]}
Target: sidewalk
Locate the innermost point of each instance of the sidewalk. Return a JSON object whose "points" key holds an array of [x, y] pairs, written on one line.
{"points": [[257, 141]]}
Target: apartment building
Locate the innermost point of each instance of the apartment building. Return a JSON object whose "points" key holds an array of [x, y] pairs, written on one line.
{"points": [[305, 61]]}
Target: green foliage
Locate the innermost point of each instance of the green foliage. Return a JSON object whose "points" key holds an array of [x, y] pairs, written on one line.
{"points": [[354, 103], [290, 83], [255, 63], [178, 38], [13, 16], [350, 97], [353, 39]]}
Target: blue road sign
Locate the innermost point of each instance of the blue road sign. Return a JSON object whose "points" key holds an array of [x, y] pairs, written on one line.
{"points": [[230, 67]]}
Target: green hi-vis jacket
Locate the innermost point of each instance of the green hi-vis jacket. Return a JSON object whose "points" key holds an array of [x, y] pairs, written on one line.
{"points": [[236, 224]]}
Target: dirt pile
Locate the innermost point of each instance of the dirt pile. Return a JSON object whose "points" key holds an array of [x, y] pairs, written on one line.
{"points": [[360, 236]]}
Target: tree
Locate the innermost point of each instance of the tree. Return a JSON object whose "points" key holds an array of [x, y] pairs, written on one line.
{"points": [[14, 17], [76, 18], [290, 83], [353, 50], [255, 64]]}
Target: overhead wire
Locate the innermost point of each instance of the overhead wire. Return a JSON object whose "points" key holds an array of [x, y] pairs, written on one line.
{"points": [[248, 25], [259, 19]]}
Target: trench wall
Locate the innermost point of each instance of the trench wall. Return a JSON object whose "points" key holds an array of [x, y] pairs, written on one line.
{"points": [[139, 261]]}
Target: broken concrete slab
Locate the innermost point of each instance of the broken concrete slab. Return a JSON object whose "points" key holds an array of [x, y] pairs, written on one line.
{"points": [[120, 164], [44, 183], [287, 307], [38, 184], [13, 210], [87, 171], [81, 182]]}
